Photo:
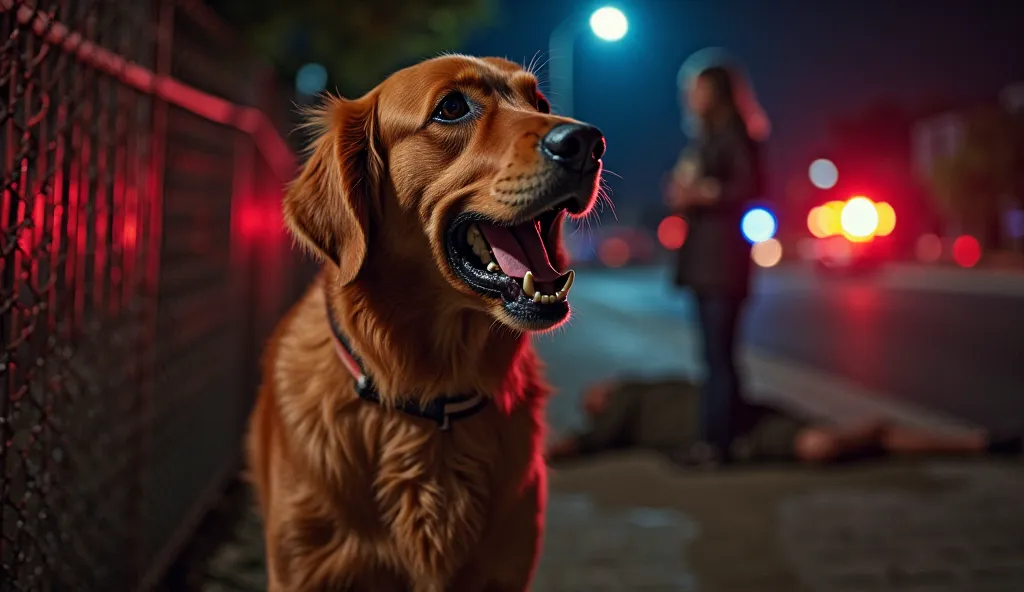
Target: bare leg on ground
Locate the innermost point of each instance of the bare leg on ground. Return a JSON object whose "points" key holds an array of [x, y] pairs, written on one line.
{"points": [[595, 401]]}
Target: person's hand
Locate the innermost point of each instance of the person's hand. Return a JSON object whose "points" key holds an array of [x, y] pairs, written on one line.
{"points": [[686, 172]]}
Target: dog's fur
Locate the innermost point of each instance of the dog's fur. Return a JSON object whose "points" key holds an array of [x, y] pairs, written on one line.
{"points": [[356, 496]]}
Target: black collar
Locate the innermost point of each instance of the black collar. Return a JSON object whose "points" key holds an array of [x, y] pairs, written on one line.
{"points": [[443, 410]]}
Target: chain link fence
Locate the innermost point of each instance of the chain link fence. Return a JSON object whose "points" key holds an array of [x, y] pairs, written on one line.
{"points": [[142, 265]]}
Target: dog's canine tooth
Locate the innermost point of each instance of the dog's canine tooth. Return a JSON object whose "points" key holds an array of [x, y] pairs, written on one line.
{"points": [[568, 284], [492, 266], [528, 287]]}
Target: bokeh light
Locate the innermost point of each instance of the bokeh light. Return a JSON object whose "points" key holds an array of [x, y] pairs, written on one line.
{"points": [[929, 248], [966, 251], [859, 218], [767, 253], [807, 249], [813, 224], [672, 232], [823, 173], [609, 23], [886, 219], [758, 225], [614, 252], [311, 79], [824, 221], [831, 217], [837, 251], [1015, 223]]}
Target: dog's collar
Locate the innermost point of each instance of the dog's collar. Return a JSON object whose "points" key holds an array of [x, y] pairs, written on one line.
{"points": [[443, 411]]}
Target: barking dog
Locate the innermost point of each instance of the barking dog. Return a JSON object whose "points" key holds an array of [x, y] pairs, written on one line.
{"points": [[395, 444]]}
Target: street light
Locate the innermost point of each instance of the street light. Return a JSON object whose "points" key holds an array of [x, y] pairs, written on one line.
{"points": [[609, 23], [606, 23]]}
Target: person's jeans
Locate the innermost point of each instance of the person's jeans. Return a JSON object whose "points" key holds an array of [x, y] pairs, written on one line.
{"points": [[720, 400]]}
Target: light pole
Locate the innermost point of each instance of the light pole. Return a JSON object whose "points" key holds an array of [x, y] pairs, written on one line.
{"points": [[607, 23]]}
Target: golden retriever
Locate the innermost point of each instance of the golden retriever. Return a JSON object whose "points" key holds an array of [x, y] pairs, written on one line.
{"points": [[436, 202]]}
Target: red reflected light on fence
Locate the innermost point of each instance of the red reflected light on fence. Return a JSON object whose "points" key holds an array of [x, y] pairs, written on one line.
{"points": [[129, 232], [259, 220], [966, 251], [672, 232]]}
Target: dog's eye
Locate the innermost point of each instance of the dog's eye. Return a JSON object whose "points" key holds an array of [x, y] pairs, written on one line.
{"points": [[452, 108], [543, 105]]}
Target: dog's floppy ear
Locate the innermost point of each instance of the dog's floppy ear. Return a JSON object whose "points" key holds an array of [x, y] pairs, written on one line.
{"points": [[327, 208]]}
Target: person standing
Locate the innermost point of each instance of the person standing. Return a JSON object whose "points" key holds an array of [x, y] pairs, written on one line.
{"points": [[716, 177]]}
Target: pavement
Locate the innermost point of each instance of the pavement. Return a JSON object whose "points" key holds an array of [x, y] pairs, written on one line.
{"points": [[630, 521]]}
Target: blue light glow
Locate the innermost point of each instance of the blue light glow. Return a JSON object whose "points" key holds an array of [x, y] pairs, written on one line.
{"points": [[311, 79], [758, 225]]}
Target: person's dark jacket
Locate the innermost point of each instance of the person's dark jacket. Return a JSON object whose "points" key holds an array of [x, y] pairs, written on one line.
{"points": [[715, 259]]}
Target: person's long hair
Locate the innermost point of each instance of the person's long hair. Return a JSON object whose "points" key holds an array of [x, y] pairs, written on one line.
{"points": [[733, 93]]}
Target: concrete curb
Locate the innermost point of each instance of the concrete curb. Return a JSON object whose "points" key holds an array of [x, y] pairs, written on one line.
{"points": [[798, 387]]}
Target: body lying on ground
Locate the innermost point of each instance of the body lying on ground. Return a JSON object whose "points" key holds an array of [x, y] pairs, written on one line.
{"points": [[664, 416]]}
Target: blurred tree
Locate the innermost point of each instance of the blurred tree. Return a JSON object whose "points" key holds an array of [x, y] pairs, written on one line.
{"points": [[975, 184], [359, 42]]}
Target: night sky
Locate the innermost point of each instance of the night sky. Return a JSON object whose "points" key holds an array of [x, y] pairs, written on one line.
{"points": [[809, 61]]}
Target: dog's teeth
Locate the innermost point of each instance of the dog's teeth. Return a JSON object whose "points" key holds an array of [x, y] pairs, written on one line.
{"points": [[568, 284], [528, 287], [485, 257], [492, 266], [537, 296], [560, 295]]}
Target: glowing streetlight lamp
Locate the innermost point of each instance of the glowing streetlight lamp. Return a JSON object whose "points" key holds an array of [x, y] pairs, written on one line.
{"points": [[607, 23]]}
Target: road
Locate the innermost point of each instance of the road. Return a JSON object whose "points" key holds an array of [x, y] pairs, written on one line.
{"points": [[955, 345]]}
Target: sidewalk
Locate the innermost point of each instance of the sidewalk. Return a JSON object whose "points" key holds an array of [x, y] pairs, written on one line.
{"points": [[630, 521]]}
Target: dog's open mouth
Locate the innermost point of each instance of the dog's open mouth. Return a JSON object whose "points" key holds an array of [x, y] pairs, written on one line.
{"points": [[516, 263]]}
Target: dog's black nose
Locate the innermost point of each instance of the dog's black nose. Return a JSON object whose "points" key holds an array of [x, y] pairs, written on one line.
{"points": [[574, 145]]}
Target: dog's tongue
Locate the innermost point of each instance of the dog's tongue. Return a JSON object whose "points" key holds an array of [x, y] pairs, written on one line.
{"points": [[519, 249]]}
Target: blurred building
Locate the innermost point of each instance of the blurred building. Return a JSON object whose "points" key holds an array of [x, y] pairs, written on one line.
{"points": [[939, 137]]}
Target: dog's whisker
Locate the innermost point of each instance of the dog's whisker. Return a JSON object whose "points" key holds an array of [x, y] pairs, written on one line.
{"points": [[543, 65]]}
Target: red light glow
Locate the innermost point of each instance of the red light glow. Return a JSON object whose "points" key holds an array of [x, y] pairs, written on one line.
{"points": [[966, 251], [672, 232], [614, 252], [929, 248]]}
